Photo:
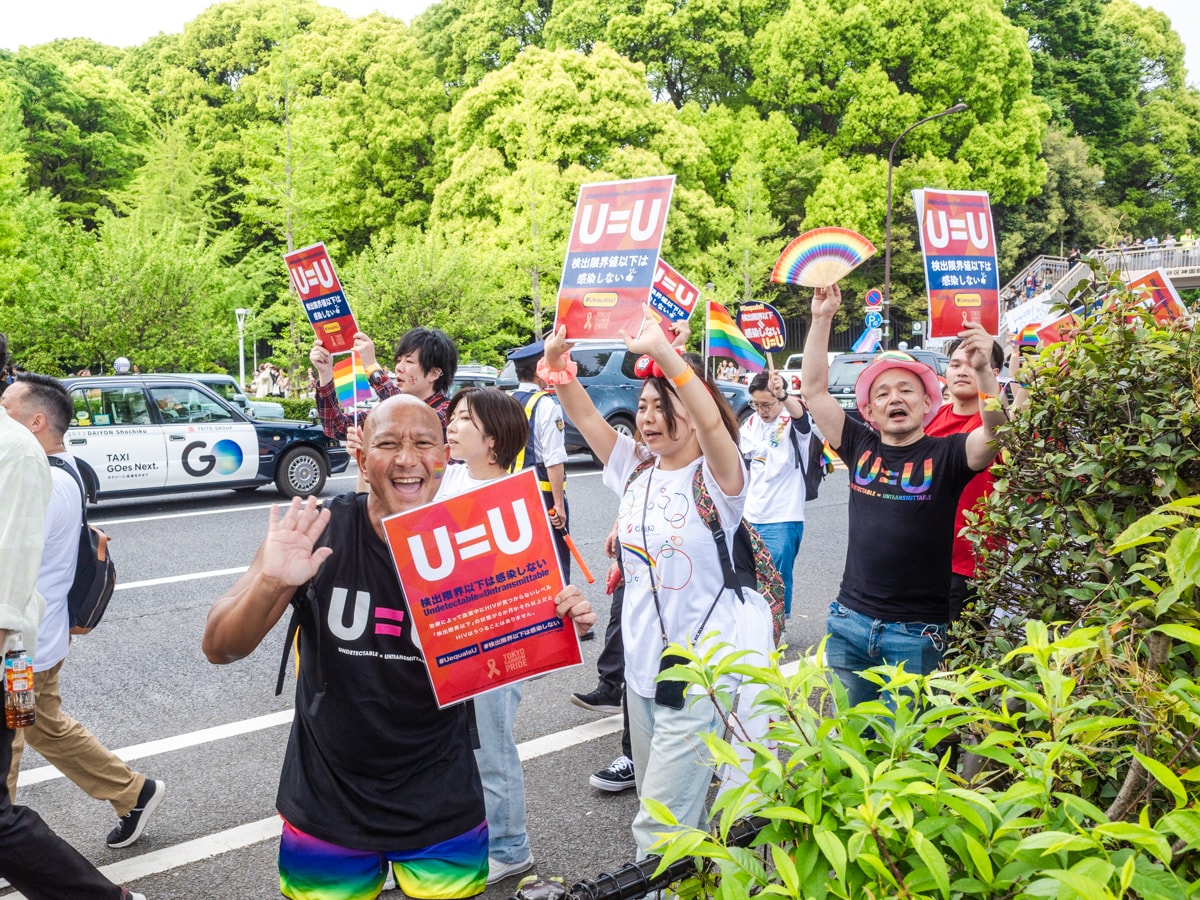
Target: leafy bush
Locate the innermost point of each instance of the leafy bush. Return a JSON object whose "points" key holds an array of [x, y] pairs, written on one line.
{"points": [[864, 801], [297, 408], [1072, 688]]}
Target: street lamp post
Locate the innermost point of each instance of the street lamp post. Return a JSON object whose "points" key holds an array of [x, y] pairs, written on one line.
{"points": [[241, 320], [887, 236]]}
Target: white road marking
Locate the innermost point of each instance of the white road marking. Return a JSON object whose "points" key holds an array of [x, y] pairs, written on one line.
{"points": [[174, 579], [130, 520], [242, 836], [176, 742]]}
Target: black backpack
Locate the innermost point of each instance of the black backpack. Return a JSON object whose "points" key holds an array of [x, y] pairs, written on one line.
{"points": [[814, 463], [95, 574]]}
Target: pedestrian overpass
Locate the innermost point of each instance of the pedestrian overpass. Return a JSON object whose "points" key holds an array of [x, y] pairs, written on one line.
{"points": [[1057, 276]]}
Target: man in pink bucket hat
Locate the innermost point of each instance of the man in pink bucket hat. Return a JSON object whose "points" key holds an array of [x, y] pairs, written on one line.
{"points": [[893, 606]]}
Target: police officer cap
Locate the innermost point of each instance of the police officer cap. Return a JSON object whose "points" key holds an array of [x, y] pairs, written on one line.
{"points": [[529, 351]]}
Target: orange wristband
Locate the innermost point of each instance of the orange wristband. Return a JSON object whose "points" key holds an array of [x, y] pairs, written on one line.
{"points": [[683, 377], [984, 398]]}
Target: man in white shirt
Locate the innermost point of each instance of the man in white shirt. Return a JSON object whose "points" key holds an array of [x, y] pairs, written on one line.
{"points": [[43, 406], [33, 858], [775, 443]]}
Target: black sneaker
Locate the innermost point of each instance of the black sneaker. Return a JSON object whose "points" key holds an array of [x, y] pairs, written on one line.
{"points": [[601, 700], [617, 777], [131, 825]]}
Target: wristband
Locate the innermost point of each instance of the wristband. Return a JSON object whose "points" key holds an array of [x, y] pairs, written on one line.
{"points": [[984, 398], [783, 398], [684, 377]]}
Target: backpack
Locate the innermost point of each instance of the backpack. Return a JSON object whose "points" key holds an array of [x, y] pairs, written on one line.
{"points": [[751, 565], [95, 573], [813, 462]]}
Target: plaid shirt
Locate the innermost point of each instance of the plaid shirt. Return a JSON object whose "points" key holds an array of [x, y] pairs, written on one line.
{"points": [[335, 422]]}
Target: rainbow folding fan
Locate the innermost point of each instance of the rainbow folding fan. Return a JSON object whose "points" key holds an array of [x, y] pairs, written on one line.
{"points": [[822, 256]]}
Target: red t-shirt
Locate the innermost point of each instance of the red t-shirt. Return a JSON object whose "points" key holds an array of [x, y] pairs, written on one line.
{"points": [[946, 421]]}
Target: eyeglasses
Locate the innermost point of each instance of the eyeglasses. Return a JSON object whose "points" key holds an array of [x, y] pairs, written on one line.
{"points": [[768, 404]]}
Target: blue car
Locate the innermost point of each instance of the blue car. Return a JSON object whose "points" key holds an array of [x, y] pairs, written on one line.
{"points": [[606, 371]]}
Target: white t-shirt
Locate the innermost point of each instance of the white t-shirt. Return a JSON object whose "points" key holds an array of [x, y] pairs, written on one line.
{"points": [[457, 480], [60, 554], [686, 566], [776, 483]]}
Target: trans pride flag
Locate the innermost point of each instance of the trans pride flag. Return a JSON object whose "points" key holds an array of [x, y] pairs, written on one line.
{"points": [[723, 338], [350, 380]]}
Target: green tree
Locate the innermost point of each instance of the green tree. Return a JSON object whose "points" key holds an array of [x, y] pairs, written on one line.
{"points": [[467, 39], [578, 119], [695, 51], [880, 66], [84, 128]]}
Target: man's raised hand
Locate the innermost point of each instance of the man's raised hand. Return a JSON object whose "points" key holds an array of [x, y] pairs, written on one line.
{"points": [[826, 300], [287, 553]]}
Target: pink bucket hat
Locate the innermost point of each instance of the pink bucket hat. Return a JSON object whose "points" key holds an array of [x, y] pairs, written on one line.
{"points": [[895, 359]]}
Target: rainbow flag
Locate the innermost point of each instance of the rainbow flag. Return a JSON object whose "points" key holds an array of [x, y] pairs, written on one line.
{"points": [[723, 338], [350, 380]]}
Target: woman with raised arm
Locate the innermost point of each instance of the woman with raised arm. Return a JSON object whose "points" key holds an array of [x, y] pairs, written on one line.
{"points": [[675, 586]]}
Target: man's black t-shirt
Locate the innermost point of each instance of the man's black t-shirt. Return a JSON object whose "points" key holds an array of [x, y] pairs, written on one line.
{"points": [[375, 765], [902, 506]]}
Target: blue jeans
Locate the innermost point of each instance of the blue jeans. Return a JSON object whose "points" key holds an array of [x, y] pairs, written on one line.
{"points": [[857, 642], [783, 541], [500, 771]]}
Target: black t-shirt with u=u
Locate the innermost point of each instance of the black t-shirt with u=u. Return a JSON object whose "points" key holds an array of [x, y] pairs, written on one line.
{"points": [[377, 766], [901, 514]]}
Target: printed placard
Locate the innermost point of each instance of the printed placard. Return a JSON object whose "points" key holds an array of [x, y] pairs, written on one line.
{"points": [[763, 326], [314, 279], [1163, 300], [612, 257], [480, 574], [958, 242], [672, 297]]}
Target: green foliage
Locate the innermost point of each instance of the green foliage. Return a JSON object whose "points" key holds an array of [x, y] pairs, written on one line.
{"points": [[298, 408], [865, 801], [1109, 433]]}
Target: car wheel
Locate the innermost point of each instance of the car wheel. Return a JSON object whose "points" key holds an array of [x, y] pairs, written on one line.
{"points": [[744, 415], [301, 473], [621, 425]]}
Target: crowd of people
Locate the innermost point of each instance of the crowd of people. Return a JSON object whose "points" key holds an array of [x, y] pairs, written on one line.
{"points": [[388, 790]]}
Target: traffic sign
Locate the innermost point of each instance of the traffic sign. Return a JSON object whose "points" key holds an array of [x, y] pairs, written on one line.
{"points": [[872, 319], [874, 298]]}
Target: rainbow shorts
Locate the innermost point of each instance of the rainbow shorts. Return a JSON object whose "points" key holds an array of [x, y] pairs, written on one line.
{"points": [[312, 869]]}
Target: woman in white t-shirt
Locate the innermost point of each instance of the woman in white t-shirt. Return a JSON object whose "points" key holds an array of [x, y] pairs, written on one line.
{"points": [[674, 583], [485, 431]]}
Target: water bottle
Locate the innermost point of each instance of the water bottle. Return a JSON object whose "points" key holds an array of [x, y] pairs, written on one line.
{"points": [[18, 686]]}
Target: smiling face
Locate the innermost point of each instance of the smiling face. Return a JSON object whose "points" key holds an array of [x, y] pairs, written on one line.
{"points": [[961, 381], [897, 407], [402, 457], [465, 437]]}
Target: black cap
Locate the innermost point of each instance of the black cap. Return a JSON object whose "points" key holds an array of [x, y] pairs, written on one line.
{"points": [[529, 351]]}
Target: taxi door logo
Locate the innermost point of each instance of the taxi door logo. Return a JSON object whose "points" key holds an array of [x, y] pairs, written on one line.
{"points": [[226, 457], [478, 540]]}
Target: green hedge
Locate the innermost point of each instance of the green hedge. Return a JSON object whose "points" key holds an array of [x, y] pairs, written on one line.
{"points": [[296, 408]]}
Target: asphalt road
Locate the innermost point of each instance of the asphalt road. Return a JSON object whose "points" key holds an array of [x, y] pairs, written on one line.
{"points": [[216, 734]]}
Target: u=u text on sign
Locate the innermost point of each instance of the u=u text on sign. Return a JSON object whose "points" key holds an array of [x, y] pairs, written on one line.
{"points": [[313, 277]]}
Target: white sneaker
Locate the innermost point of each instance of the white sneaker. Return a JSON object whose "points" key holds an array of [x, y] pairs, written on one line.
{"points": [[498, 871]]}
